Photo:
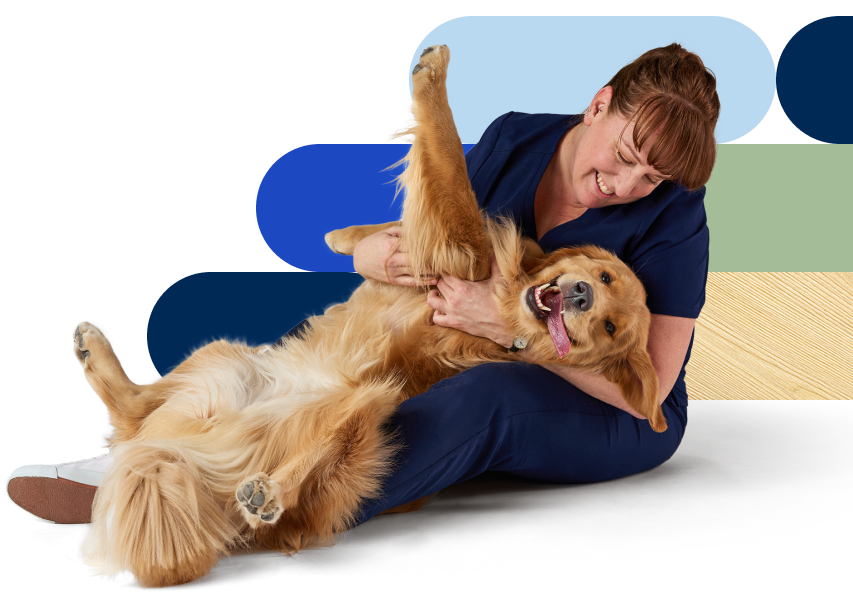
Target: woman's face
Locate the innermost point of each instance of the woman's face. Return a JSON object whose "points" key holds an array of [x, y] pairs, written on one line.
{"points": [[606, 167]]}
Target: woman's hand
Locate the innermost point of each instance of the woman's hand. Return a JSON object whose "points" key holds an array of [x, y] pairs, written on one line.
{"points": [[383, 257], [470, 307]]}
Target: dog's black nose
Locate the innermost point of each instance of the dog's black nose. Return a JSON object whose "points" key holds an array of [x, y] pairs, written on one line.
{"points": [[580, 296]]}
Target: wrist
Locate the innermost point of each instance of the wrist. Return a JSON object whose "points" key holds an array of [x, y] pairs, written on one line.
{"points": [[518, 343], [356, 259]]}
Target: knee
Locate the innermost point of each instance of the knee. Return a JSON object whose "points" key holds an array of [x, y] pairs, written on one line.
{"points": [[495, 374], [497, 390]]}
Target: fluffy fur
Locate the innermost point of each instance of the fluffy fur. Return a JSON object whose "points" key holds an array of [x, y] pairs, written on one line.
{"points": [[279, 446]]}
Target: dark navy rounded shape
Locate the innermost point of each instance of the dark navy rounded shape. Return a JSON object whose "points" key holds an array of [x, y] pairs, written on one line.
{"points": [[814, 80]]}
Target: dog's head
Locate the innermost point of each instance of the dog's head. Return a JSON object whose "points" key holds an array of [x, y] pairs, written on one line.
{"points": [[584, 307]]}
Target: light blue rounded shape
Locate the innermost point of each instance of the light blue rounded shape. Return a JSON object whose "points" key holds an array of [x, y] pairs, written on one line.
{"points": [[558, 64]]}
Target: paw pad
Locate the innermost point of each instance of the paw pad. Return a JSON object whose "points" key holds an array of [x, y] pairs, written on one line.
{"points": [[256, 497]]}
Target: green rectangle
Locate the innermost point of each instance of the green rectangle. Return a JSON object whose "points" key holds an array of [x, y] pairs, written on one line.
{"points": [[781, 208]]}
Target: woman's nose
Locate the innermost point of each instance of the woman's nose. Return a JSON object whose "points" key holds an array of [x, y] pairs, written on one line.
{"points": [[627, 181]]}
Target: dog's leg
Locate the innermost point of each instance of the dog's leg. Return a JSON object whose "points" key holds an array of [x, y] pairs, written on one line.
{"points": [[108, 379], [318, 464], [443, 227], [343, 241], [264, 498]]}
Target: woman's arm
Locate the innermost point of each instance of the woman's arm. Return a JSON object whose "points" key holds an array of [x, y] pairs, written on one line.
{"points": [[669, 337], [383, 257], [470, 307]]}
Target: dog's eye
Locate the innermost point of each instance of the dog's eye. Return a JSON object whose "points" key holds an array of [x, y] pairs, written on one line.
{"points": [[605, 278], [609, 326]]}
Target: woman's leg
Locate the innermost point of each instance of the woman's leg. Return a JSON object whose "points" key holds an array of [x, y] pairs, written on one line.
{"points": [[521, 419], [516, 418]]}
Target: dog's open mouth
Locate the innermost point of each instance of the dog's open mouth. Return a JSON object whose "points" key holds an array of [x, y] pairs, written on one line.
{"points": [[546, 303]]}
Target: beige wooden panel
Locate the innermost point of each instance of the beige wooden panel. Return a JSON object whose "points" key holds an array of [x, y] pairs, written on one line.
{"points": [[774, 336]]}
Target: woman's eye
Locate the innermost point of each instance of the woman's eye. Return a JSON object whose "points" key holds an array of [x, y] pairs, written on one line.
{"points": [[623, 160], [610, 328], [605, 278]]}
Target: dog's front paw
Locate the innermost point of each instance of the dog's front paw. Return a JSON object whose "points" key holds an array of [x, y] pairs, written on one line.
{"points": [[342, 241], [259, 500], [432, 65]]}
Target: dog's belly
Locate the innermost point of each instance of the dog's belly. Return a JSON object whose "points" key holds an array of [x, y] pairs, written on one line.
{"points": [[383, 332], [378, 313], [349, 343]]}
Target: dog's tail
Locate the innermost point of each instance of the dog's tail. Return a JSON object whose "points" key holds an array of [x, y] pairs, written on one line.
{"points": [[156, 516]]}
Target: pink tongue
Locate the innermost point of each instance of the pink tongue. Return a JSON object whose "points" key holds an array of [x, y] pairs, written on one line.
{"points": [[555, 323]]}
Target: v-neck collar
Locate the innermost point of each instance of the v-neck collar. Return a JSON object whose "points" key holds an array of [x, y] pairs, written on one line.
{"points": [[546, 156]]}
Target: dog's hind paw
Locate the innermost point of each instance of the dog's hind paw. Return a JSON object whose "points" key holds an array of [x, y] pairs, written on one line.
{"points": [[259, 500], [88, 339]]}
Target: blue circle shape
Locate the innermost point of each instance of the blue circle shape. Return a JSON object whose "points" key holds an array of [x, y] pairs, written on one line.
{"points": [[814, 67]]}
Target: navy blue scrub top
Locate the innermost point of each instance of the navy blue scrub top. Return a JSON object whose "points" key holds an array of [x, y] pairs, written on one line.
{"points": [[663, 237]]}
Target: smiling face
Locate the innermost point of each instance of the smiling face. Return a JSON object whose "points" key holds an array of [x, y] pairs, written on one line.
{"points": [[586, 305], [601, 162]]}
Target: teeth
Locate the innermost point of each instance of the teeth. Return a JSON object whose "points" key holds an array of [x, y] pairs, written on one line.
{"points": [[537, 295], [602, 186]]}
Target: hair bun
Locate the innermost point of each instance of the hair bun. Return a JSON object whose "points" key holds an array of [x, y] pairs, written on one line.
{"points": [[669, 92]]}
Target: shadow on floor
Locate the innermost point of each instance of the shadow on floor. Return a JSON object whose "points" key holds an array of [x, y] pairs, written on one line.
{"points": [[729, 450]]}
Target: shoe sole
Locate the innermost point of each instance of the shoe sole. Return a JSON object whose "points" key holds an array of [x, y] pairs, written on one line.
{"points": [[55, 499]]}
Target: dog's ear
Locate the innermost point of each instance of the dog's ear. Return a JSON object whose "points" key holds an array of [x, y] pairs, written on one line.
{"points": [[637, 380], [533, 255]]}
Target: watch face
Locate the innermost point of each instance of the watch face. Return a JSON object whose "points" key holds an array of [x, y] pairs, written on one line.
{"points": [[519, 342]]}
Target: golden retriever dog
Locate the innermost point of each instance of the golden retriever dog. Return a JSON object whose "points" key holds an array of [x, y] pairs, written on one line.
{"points": [[278, 446]]}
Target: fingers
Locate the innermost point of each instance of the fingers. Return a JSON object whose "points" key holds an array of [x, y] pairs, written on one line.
{"points": [[434, 299], [400, 273], [495, 277], [446, 284], [436, 302], [397, 231], [410, 281], [398, 265]]}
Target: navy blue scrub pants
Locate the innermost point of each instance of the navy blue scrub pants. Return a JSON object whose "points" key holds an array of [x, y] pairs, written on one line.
{"points": [[519, 419]]}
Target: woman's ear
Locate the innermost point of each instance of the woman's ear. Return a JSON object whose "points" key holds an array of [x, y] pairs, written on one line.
{"points": [[599, 105]]}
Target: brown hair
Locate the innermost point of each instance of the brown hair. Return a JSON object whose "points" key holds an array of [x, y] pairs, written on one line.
{"points": [[669, 90]]}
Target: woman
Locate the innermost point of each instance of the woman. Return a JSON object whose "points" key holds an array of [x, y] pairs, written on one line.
{"points": [[628, 175], [617, 176]]}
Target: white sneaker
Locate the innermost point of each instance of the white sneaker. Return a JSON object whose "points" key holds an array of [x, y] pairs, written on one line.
{"points": [[61, 493]]}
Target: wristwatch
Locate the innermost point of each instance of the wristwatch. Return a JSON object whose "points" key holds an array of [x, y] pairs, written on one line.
{"points": [[517, 344]]}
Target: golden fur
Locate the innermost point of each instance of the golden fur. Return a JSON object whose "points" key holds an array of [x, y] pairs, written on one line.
{"points": [[278, 446]]}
